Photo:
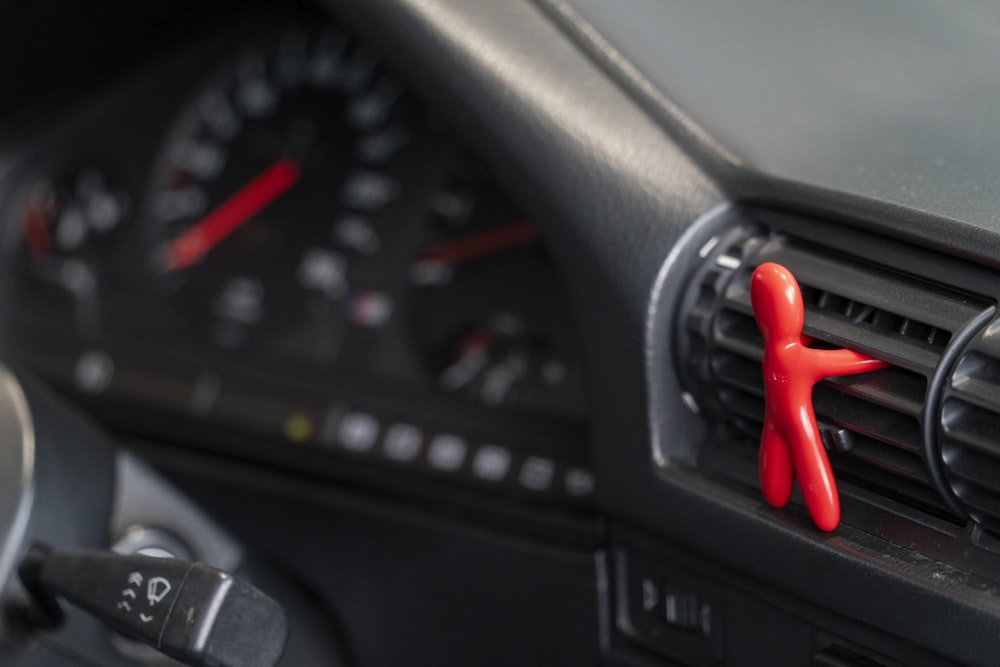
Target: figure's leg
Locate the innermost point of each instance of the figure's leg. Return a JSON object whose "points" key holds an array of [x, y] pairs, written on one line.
{"points": [[812, 467], [776, 472]]}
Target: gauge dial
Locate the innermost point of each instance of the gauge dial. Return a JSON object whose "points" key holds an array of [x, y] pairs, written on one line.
{"points": [[271, 192], [70, 223], [66, 222], [490, 315], [305, 220]]}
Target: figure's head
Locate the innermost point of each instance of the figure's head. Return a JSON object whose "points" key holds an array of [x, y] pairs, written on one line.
{"points": [[777, 302]]}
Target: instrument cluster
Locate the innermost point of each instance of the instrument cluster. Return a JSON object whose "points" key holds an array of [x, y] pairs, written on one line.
{"points": [[270, 236]]}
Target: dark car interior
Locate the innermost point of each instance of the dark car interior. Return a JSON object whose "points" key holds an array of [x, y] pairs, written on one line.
{"points": [[420, 332]]}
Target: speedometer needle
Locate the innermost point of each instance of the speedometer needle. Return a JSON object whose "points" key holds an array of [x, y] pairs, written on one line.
{"points": [[231, 214], [483, 243]]}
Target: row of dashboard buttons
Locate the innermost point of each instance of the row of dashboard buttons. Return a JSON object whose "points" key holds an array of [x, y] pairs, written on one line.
{"points": [[518, 469], [362, 434]]}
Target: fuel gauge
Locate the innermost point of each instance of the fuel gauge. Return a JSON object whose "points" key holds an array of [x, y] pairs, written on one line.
{"points": [[501, 359], [489, 312]]}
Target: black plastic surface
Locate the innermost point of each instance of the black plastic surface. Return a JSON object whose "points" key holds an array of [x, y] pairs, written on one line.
{"points": [[403, 586], [190, 611]]}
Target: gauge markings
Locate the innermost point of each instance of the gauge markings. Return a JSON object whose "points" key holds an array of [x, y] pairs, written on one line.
{"points": [[197, 241]]}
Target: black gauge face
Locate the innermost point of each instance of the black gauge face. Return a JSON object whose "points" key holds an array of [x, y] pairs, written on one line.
{"points": [[491, 317], [302, 221], [270, 195]]}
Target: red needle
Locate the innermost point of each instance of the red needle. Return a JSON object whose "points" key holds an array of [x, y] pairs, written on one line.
{"points": [[36, 232], [228, 216], [484, 243], [479, 340]]}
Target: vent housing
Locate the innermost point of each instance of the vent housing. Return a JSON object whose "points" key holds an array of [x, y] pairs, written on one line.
{"points": [[969, 436], [874, 425]]}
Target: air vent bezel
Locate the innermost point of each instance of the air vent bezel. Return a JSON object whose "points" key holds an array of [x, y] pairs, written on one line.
{"points": [[864, 250]]}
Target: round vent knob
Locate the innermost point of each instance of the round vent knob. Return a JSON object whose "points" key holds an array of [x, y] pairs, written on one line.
{"points": [[969, 436]]}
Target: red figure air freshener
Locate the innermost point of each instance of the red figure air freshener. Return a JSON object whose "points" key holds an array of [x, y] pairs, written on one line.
{"points": [[790, 445]]}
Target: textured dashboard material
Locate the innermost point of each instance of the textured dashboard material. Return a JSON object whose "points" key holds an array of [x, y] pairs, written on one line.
{"points": [[894, 101]]}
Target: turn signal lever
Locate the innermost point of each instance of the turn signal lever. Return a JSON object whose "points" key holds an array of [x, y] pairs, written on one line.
{"points": [[189, 611]]}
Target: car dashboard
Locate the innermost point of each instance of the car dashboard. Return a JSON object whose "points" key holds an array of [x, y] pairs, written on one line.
{"points": [[441, 310]]}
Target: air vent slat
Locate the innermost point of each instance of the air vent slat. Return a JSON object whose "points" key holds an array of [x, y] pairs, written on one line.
{"points": [[738, 373], [743, 405], [862, 417], [976, 379], [982, 394], [911, 492], [888, 388], [899, 351], [905, 352], [970, 465], [738, 300], [880, 289], [972, 426], [738, 346], [738, 324], [891, 460]]}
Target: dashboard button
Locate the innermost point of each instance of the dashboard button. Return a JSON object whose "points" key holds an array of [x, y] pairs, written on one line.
{"points": [[537, 473], [94, 371], [402, 442], [358, 431], [579, 482], [491, 463], [447, 452], [650, 595]]}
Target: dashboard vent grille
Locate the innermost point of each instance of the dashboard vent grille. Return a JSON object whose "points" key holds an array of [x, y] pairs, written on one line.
{"points": [[873, 423], [970, 429]]}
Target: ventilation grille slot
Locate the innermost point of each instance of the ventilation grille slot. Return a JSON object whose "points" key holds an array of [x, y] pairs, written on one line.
{"points": [[871, 423], [970, 429]]}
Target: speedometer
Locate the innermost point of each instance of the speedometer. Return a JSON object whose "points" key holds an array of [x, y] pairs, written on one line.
{"points": [[267, 202]]}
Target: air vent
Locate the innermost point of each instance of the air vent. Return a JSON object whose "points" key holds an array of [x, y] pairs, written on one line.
{"points": [[872, 424], [970, 429]]}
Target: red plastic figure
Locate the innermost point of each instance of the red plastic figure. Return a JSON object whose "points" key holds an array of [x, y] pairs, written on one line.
{"points": [[791, 445]]}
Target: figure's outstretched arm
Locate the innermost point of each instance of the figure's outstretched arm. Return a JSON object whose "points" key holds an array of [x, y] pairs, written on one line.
{"points": [[826, 363]]}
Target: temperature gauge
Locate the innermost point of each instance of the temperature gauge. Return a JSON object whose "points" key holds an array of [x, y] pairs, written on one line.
{"points": [[490, 314], [72, 217], [67, 225]]}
